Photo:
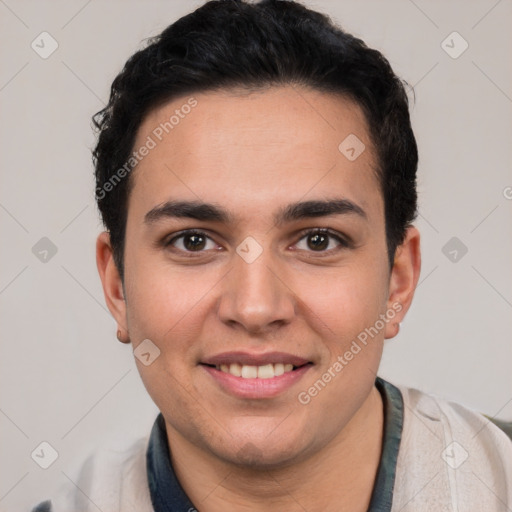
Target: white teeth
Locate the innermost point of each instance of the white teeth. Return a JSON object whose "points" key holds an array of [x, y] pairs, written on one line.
{"points": [[267, 371], [249, 372], [278, 369], [235, 369]]}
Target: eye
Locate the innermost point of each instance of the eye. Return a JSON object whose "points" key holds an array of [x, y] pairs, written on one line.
{"points": [[316, 240], [319, 240], [191, 241]]}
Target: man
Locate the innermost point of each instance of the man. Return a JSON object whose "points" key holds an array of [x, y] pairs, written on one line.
{"points": [[256, 174]]}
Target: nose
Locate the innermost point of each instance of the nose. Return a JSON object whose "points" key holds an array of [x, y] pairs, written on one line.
{"points": [[256, 296]]}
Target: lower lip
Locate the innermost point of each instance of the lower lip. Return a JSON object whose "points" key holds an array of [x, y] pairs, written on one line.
{"points": [[256, 388]]}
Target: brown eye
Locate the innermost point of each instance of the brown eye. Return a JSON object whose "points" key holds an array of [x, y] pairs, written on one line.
{"points": [[191, 241], [194, 242], [319, 240]]}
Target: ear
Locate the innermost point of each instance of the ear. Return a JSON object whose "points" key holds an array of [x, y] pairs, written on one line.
{"points": [[403, 280], [111, 280]]}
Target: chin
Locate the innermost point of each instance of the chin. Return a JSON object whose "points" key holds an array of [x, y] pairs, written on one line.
{"points": [[262, 454]]}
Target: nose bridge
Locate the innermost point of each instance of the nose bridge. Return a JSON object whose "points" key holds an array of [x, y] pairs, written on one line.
{"points": [[254, 293]]}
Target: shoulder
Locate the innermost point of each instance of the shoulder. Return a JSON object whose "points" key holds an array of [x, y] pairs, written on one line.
{"points": [[449, 454], [108, 479], [462, 421]]}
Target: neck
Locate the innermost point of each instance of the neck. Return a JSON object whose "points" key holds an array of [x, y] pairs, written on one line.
{"points": [[340, 477]]}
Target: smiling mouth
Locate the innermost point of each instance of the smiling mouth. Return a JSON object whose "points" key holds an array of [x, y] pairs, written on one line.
{"points": [[267, 371]]}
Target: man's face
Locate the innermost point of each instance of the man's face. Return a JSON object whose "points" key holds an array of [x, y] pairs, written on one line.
{"points": [[256, 288]]}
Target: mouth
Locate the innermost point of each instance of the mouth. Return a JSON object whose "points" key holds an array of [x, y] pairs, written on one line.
{"points": [[267, 371], [255, 376]]}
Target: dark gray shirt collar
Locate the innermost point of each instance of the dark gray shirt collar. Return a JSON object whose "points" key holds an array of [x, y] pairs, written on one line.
{"points": [[167, 494]]}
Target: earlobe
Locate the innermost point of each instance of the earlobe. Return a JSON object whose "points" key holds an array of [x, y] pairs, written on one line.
{"points": [[111, 280], [123, 338], [404, 279]]}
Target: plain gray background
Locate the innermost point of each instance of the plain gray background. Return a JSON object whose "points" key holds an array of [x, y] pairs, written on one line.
{"points": [[64, 377]]}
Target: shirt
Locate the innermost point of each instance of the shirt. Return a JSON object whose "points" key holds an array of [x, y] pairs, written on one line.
{"points": [[436, 455]]}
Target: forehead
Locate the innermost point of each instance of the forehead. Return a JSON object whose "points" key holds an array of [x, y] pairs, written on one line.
{"points": [[254, 150]]}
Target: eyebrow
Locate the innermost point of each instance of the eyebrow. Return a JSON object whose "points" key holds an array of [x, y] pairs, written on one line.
{"points": [[295, 211]]}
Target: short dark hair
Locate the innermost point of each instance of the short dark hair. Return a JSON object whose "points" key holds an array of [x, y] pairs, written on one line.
{"points": [[227, 44]]}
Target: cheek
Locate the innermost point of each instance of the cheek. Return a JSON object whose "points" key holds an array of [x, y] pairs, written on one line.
{"points": [[165, 308], [347, 308], [161, 300], [346, 299]]}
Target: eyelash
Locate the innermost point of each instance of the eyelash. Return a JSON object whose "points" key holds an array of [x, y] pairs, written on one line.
{"points": [[343, 242]]}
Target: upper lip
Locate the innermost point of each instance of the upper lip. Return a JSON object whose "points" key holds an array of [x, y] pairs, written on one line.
{"points": [[246, 358]]}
